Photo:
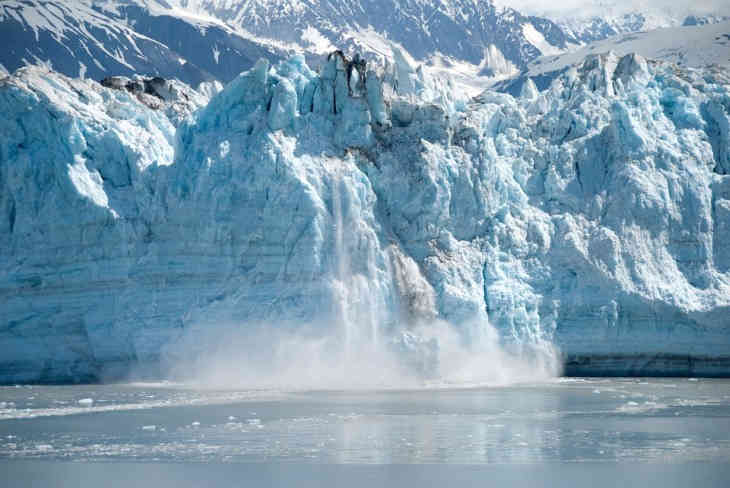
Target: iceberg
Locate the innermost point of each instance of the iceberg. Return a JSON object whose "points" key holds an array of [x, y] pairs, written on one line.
{"points": [[379, 218]]}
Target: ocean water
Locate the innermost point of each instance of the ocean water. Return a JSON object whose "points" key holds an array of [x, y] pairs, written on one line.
{"points": [[572, 430]]}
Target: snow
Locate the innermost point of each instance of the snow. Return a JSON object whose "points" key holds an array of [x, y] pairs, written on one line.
{"points": [[317, 41], [692, 46], [316, 225], [538, 40], [95, 39], [495, 60], [87, 183], [471, 42], [665, 10]]}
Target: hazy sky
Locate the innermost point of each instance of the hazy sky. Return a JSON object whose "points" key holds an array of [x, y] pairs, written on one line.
{"points": [[580, 8]]}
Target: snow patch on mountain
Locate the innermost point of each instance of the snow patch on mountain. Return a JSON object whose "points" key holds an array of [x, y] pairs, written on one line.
{"points": [[538, 40], [594, 20], [691, 46], [314, 40], [88, 38]]}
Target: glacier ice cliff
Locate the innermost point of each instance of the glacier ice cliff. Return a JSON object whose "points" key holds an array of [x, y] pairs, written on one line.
{"points": [[378, 207]]}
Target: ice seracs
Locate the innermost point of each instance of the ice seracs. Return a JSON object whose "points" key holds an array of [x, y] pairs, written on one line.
{"points": [[460, 235]]}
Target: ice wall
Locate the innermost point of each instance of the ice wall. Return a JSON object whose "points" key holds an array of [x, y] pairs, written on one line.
{"points": [[375, 208]]}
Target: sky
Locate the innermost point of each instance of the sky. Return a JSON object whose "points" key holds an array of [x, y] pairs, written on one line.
{"points": [[587, 8]]}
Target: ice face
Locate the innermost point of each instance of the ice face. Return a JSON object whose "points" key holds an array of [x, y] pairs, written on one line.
{"points": [[592, 216]]}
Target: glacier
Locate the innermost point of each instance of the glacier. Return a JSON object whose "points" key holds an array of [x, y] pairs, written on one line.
{"points": [[380, 208]]}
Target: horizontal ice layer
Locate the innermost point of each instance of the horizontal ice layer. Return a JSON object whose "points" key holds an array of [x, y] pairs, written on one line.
{"points": [[595, 215]]}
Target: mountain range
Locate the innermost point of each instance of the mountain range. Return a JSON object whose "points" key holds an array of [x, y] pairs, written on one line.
{"points": [[199, 40]]}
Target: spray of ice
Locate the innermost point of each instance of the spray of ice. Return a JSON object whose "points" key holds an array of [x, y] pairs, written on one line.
{"points": [[381, 330]]}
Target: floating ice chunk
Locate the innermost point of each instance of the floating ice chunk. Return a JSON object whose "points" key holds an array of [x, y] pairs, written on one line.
{"points": [[149, 427], [86, 402]]}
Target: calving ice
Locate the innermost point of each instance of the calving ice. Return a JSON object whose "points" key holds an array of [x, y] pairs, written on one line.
{"points": [[316, 224]]}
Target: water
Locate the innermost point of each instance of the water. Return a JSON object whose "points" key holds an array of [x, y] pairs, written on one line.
{"points": [[555, 430]]}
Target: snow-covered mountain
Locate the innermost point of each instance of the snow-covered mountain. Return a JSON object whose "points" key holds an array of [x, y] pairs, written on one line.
{"points": [[200, 40], [692, 46], [99, 39], [195, 40], [594, 20], [587, 30], [458, 29], [383, 211], [696, 46]]}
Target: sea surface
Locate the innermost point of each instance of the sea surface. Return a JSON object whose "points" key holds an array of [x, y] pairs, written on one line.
{"points": [[568, 431]]}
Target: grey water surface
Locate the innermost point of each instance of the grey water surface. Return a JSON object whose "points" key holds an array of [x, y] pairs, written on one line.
{"points": [[604, 432]]}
